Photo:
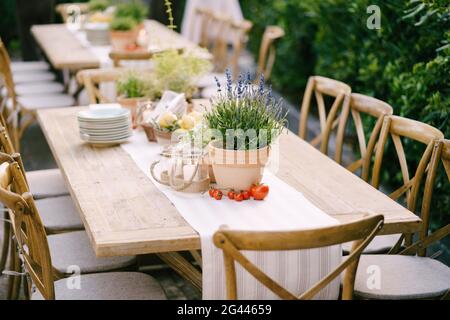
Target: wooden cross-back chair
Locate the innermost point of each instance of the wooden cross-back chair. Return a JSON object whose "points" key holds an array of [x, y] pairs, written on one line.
{"points": [[20, 111], [91, 78], [6, 75], [398, 270], [233, 241], [118, 56], [66, 10], [28, 228], [215, 33], [320, 86], [365, 105], [397, 128], [267, 51]]}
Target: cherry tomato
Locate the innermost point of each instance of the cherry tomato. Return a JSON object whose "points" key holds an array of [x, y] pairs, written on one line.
{"points": [[238, 197], [211, 192], [231, 195], [218, 195], [259, 192], [245, 195]]}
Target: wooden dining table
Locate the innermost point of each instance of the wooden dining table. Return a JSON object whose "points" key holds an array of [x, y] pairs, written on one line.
{"points": [[125, 214], [65, 51]]}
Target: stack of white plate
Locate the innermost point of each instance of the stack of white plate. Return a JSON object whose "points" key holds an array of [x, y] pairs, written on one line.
{"points": [[104, 127]]}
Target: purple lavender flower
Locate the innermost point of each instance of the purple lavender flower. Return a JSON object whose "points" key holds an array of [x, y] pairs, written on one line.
{"points": [[229, 81], [261, 84], [218, 84]]}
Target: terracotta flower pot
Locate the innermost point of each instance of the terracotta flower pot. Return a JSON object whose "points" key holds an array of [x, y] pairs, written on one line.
{"points": [[237, 169], [130, 104], [121, 40]]}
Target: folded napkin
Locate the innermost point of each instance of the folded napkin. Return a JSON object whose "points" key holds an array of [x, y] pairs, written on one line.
{"points": [[170, 102]]}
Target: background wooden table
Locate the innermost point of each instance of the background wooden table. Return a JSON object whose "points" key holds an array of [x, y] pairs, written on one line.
{"points": [[65, 51], [125, 214]]}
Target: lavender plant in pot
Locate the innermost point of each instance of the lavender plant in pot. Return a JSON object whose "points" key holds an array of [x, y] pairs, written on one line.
{"points": [[246, 120]]}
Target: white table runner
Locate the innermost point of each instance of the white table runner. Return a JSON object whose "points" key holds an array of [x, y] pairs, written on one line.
{"points": [[283, 209]]}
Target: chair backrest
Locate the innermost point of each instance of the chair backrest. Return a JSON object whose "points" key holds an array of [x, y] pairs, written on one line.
{"points": [[397, 128], [216, 31], [338, 90], [6, 74], [446, 156], [233, 241], [66, 10], [267, 51], [27, 226], [118, 56], [91, 78], [7, 80], [362, 105]]}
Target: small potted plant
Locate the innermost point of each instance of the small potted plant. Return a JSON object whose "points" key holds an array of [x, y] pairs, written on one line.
{"points": [[97, 26], [134, 9], [123, 33], [177, 72], [245, 120], [131, 91]]}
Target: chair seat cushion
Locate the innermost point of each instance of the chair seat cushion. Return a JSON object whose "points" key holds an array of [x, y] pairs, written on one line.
{"points": [[46, 183], [209, 92], [401, 277], [108, 286], [380, 244], [74, 248], [26, 66], [33, 76], [209, 80], [59, 214], [36, 88], [35, 102]]}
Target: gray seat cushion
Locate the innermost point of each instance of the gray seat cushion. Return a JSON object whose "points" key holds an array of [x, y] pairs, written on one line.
{"points": [[59, 214], [75, 249], [27, 66], [401, 277], [36, 88], [380, 244], [33, 76], [109, 286], [56, 100], [46, 183]]}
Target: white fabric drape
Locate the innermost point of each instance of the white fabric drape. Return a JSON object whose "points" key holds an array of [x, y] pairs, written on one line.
{"points": [[190, 27], [283, 209]]}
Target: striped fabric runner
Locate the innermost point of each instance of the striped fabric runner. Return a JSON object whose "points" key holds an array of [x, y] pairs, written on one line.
{"points": [[284, 209]]}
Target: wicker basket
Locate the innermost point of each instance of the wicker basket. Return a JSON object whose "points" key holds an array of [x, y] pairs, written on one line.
{"points": [[149, 131]]}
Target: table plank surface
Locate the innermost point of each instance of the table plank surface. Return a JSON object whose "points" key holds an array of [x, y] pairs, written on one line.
{"points": [[62, 48], [124, 213]]}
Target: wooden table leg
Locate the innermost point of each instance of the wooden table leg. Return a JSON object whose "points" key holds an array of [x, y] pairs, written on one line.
{"points": [[183, 267]]}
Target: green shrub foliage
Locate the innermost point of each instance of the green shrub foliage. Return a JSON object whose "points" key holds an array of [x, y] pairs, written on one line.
{"points": [[405, 62]]}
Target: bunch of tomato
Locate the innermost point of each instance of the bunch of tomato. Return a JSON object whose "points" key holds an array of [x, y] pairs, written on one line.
{"points": [[256, 191]]}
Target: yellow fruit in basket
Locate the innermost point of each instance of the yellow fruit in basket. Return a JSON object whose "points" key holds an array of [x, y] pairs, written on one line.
{"points": [[198, 117], [167, 120], [187, 122]]}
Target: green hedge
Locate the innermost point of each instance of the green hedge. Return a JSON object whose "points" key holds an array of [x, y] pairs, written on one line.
{"points": [[405, 63]]}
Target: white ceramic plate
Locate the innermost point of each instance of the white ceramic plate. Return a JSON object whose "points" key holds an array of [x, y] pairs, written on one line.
{"points": [[105, 132], [104, 139], [103, 114], [104, 126]]}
